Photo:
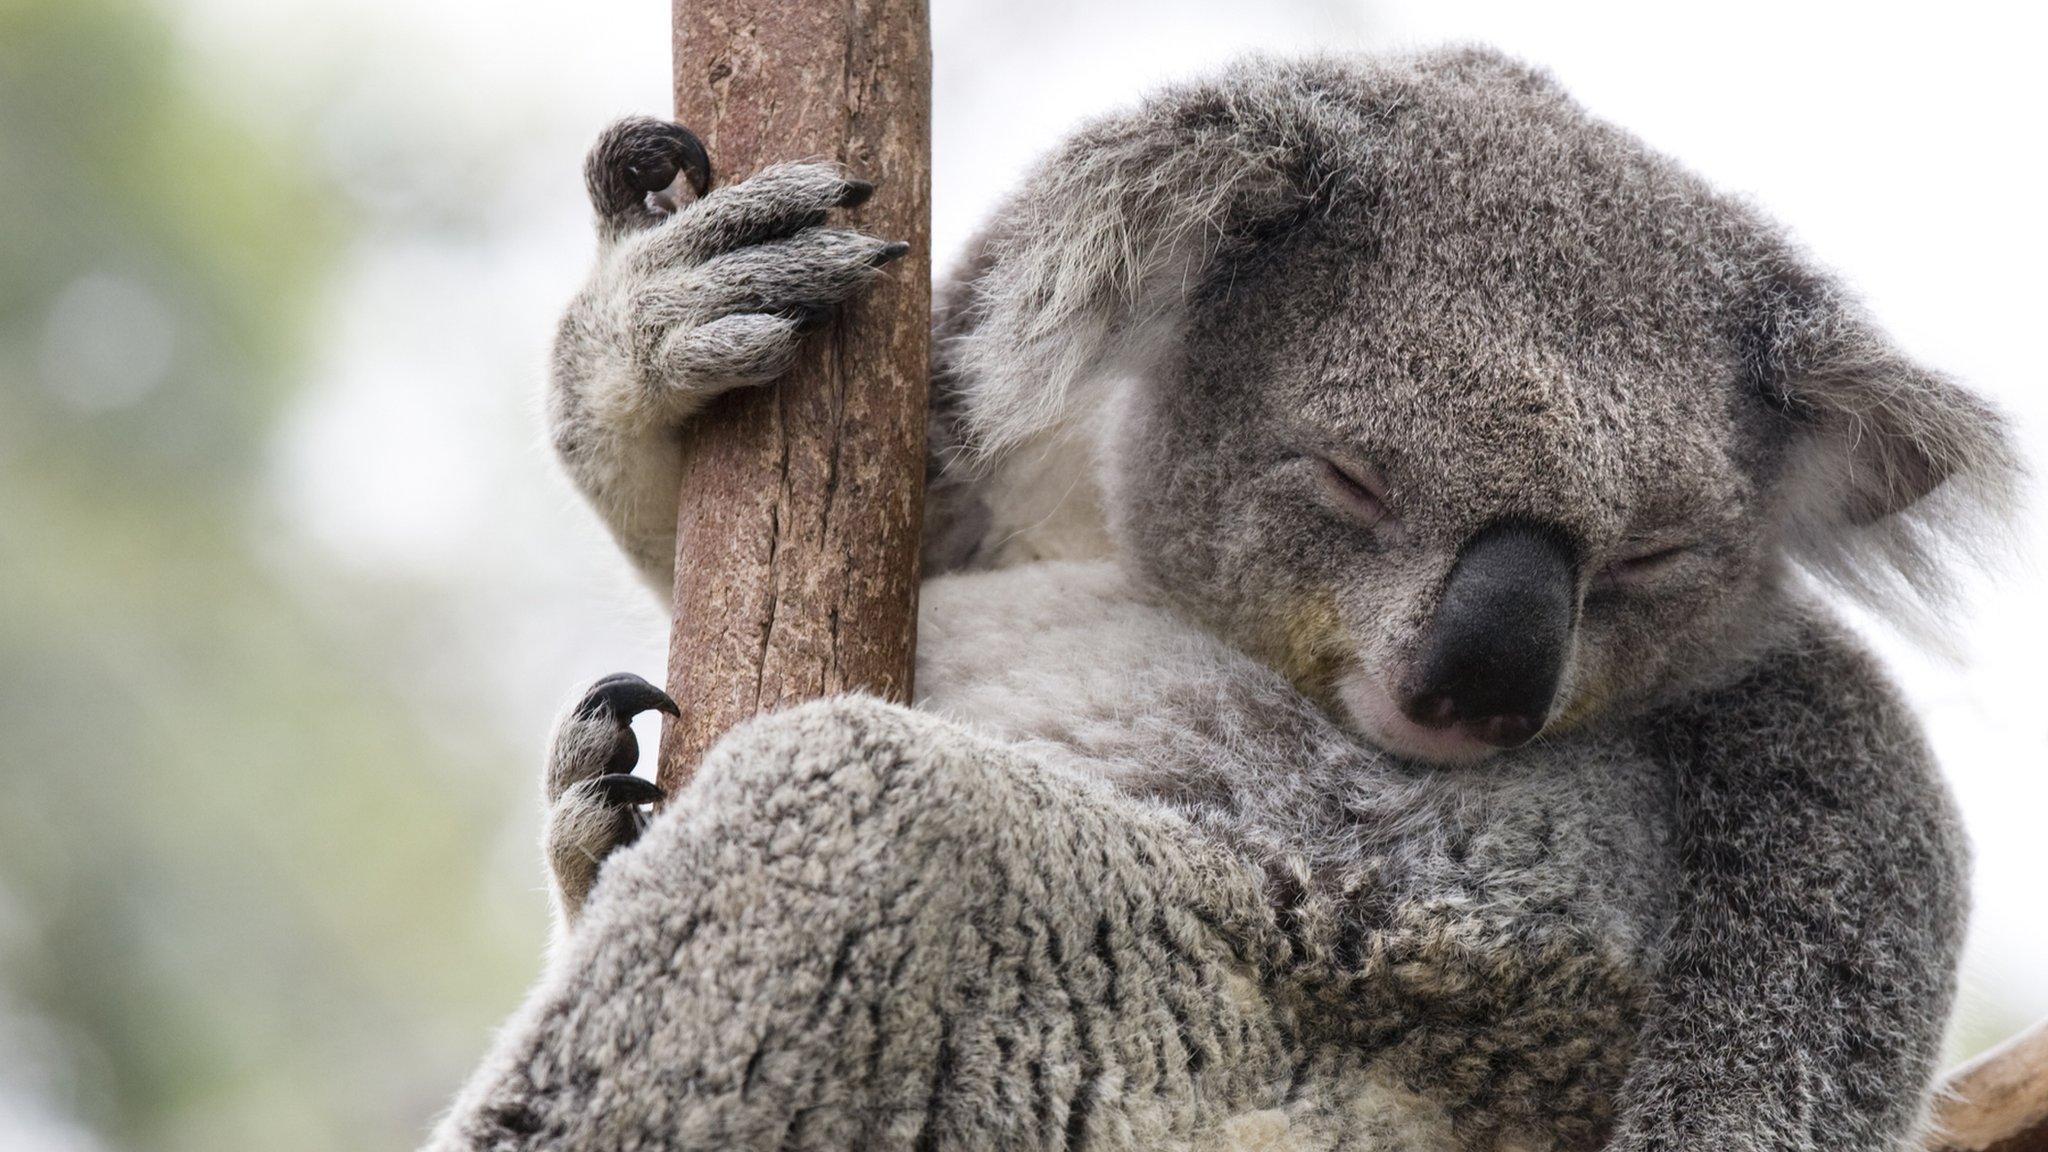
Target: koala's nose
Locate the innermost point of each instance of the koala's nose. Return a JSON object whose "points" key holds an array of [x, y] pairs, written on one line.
{"points": [[1496, 652]]}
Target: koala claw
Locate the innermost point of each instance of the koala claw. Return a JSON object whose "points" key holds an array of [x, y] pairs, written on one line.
{"points": [[625, 790], [856, 194], [596, 737], [622, 696], [593, 799], [643, 170], [808, 317]]}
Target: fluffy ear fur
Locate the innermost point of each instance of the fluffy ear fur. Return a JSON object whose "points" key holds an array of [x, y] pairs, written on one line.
{"points": [[1084, 277], [1894, 465]]}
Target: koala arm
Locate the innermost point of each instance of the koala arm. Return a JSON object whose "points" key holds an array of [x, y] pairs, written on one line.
{"points": [[683, 306], [1811, 965], [864, 927]]}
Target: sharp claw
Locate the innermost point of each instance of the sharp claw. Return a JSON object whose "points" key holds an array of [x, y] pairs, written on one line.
{"points": [[660, 151], [650, 175], [644, 158], [891, 252], [696, 163], [856, 194], [809, 317], [625, 790], [624, 696]]}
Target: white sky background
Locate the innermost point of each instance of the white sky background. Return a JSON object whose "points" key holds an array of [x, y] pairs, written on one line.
{"points": [[1902, 143]]}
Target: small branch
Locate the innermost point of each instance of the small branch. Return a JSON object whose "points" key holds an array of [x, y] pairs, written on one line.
{"points": [[1999, 1101]]}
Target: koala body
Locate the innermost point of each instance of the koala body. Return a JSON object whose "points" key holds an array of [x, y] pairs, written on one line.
{"points": [[1367, 699]]}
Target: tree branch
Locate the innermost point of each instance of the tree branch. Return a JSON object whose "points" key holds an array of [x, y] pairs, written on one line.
{"points": [[1999, 1101], [797, 543]]}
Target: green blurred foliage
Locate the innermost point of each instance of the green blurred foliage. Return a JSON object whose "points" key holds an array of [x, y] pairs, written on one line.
{"points": [[244, 897], [115, 159]]}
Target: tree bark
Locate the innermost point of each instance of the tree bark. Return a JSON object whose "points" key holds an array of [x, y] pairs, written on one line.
{"points": [[797, 542], [1999, 1101]]}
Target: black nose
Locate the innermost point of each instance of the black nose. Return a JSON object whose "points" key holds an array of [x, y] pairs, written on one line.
{"points": [[1496, 651]]}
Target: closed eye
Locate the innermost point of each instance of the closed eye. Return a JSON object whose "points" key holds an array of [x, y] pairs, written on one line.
{"points": [[1360, 491], [1645, 566]]}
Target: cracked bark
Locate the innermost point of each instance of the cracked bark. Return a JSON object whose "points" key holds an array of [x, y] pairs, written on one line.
{"points": [[797, 541]]}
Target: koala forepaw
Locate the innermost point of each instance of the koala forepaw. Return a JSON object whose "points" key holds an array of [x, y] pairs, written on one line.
{"points": [[690, 300], [593, 798], [721, 292]]}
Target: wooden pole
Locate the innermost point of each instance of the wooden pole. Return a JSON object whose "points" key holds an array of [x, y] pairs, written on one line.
{"points": [[797, 543]]}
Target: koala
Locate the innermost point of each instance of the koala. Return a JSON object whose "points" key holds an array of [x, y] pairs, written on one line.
{"points": [[1373, 692]]}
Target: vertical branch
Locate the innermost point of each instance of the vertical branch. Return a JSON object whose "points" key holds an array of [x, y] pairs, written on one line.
{"points": [[797, 543]]}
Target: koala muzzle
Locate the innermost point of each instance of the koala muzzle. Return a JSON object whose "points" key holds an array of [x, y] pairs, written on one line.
{"points": [[1496, 651]]}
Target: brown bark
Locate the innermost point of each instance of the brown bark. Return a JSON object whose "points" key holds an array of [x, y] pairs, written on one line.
{"points": [[797, 543], [1999, 1101]]}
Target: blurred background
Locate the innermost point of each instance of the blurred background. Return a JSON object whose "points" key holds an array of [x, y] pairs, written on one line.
{"points": [[290, 591]]}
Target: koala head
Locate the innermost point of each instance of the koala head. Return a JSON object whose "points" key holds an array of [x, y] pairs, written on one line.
{"points": [[1470, 413]]}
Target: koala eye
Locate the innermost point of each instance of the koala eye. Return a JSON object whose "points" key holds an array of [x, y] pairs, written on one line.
{"points": [[1360, 491], [1643, 566]]}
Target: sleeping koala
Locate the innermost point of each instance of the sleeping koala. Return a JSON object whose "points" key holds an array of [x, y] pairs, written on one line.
{"points": [[1368, 694]]}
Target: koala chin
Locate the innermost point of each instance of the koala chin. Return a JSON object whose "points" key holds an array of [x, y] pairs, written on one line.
{"points": [[1371, 692]]}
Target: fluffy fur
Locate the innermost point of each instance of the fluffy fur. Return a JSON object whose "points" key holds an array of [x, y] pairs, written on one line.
{"points": [[1155, 864]]}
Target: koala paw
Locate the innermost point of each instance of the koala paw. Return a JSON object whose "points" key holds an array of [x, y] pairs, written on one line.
{"points": [[593, 799], [706, 290], [692, 296]]}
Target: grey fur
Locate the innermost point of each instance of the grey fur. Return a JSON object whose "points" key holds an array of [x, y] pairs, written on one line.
{"points": [[1156, 864]]}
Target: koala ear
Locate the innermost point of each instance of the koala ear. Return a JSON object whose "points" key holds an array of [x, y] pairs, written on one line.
{"points": [[1889, 433], [1083, 275], [1892, 464]]}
